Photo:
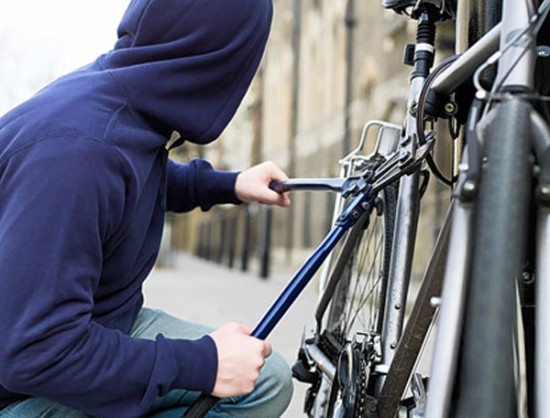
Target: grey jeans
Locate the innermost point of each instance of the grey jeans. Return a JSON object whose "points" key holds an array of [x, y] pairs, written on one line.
{"points": [[269, 399]]}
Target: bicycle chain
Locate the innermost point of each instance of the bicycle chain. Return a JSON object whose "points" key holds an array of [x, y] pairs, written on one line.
{"points": [[331, 346], [362, 398]]}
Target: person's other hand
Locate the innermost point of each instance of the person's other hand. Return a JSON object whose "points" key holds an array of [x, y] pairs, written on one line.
{"points": [[240, 358], [252, 185]]}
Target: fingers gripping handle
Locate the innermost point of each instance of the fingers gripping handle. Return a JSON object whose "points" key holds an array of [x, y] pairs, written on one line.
{"points": [[204, 402], [313, 184], [279, 186], [277, 310]]}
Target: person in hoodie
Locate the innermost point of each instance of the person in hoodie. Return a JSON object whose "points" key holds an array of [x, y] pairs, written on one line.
{"points": [[85, 181]]}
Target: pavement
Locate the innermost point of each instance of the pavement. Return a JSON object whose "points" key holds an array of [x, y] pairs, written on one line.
{"points": [[205, 292]]}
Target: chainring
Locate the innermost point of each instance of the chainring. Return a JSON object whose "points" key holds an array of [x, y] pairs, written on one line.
{"points": [[349, 388]]}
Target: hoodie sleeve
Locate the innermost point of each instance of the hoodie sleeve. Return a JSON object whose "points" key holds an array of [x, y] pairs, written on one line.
{"points": [[59, 206], [197, 184]]}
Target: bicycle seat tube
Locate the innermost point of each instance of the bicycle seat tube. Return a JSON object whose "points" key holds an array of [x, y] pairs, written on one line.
{"points": [[408, 202]]}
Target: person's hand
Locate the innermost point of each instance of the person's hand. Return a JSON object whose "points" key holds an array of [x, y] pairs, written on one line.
{"points": [[252, 185], [240, 358]]}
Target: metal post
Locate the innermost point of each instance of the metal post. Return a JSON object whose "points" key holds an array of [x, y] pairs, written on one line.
{"points": [[266, 243], [246, 239], [224, 237], [475, 18], [231, 238], [208, 240]]}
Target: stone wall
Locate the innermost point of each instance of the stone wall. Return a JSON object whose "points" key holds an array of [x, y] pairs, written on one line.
{"points": [[330, 66]]}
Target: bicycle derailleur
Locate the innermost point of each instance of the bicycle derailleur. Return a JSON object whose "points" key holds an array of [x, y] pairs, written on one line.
{"points": [[354, 381], [357, 379]]}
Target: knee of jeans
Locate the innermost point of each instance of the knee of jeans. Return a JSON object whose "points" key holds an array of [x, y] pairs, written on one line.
{"points": [[279, 378], [272, 394]]}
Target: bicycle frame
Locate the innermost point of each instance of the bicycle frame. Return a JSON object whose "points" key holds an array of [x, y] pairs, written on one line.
{"points": [[515, 71], [442, 276], [364, 189]]}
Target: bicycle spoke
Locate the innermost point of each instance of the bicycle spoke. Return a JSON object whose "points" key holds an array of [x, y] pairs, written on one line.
{"points": [[362, 297]]}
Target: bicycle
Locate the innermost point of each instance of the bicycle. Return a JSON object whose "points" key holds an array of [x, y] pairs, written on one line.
{"points": [[488, 265]]}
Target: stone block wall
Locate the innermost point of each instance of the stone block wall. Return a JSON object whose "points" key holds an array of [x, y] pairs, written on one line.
{"points": [[329, 67]]}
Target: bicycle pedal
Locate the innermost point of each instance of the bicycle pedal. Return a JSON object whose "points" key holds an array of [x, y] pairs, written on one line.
{"points": [[302, 369], [303, 373]]}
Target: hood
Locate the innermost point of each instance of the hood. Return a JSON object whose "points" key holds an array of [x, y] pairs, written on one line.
{"points": [[186, 64]]}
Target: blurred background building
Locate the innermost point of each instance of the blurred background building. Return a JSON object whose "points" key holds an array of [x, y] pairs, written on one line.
{"points": [[329, 67]]}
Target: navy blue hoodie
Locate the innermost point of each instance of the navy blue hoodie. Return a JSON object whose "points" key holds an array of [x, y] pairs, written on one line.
{"points": [[85, 180]]}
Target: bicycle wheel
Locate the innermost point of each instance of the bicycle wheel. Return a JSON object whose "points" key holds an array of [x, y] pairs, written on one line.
{"points": [[359, 283], [486, 377]]}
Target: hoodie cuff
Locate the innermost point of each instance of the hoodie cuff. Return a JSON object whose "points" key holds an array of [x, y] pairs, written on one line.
{"points": [[198, 364], [220, 187]]}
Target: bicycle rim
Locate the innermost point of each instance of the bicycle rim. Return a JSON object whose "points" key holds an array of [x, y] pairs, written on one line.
{"points": [[358, 301], [357, 304]]}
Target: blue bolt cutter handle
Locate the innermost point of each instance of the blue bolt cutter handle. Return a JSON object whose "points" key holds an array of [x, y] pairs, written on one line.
{"points": [[363, 189], [343, 185], [351, 213]]}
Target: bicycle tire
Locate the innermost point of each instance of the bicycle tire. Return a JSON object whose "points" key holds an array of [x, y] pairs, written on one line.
{"points": [[486, 377], [359, 280], [356, 257]]}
